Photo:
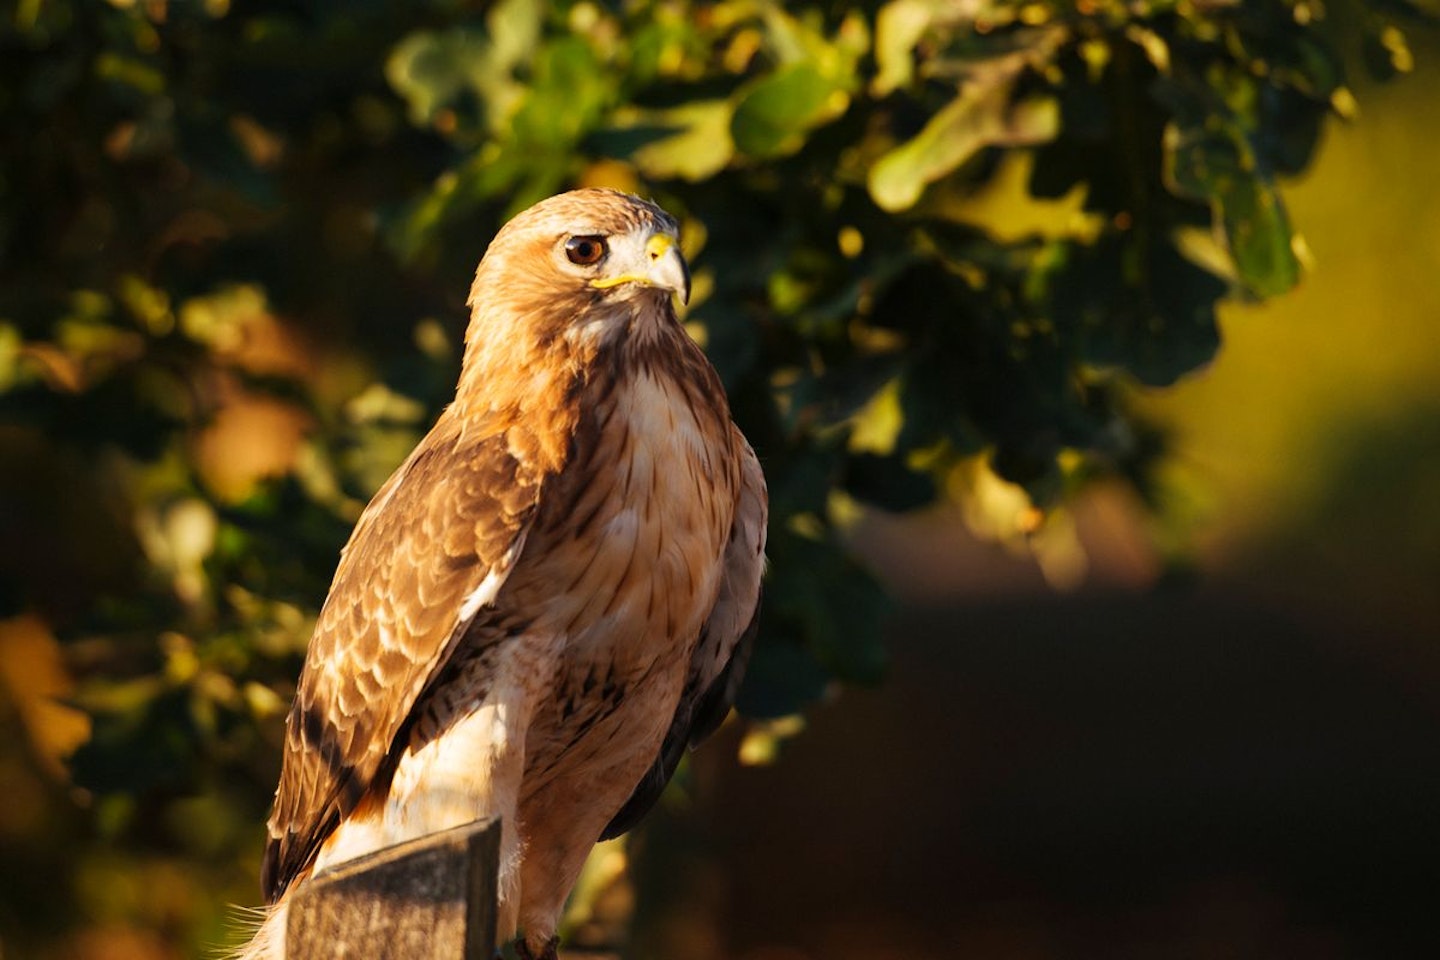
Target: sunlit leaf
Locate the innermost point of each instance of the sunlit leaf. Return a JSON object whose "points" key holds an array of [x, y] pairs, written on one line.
{"points": [[694, 141], [431, 70], [979, 117], [898, 28]]}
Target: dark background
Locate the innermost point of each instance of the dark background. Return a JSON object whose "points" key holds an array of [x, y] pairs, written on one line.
{"points": [[1096, 776]]}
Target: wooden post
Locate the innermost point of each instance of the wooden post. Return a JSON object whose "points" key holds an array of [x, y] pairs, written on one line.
{"points": [[433, 897]]}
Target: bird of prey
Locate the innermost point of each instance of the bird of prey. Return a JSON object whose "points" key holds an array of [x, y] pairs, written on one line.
{"points": [[555, 594]]}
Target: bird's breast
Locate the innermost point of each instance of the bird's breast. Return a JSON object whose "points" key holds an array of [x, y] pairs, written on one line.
{"points": [[632, 557], [650, 506]]}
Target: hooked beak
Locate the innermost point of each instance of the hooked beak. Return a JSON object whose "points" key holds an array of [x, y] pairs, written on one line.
{"points": [[662, 266], [667, 267]]}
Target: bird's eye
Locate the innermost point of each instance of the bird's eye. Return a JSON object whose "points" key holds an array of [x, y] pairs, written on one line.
{"points": [[585, 251]]}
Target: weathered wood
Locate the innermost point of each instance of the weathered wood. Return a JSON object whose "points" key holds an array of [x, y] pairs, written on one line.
{"points": [[433, 898]]}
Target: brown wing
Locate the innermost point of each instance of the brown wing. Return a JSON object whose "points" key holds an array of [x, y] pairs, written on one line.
{"points": [[427, 557], [718, 665]]}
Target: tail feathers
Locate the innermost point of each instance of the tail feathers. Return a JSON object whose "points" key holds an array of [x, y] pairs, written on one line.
{"points": [[264, 930]]}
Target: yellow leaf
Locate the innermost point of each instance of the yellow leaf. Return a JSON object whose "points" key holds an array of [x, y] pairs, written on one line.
{"points": [[34, 677], [878, 423]]}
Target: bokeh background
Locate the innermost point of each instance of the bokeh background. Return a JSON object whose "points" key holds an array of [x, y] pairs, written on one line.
{"points": [[1176, 700], [1243, 765]]}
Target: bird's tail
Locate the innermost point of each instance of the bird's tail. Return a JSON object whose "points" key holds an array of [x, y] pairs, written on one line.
{"points": [[264, 931]]}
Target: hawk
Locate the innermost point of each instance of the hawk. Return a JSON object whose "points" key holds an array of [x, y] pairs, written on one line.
{"points": [[555, 594]]}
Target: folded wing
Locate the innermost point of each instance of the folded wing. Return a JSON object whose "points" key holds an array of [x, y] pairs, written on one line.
{"points": [[718, 664]]}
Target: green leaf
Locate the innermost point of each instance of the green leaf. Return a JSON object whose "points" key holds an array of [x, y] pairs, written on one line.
{"points": [[431, 69], [773, 115], [1258, 231], [567, 97], [1216, 165], [436, 69], [1147, 310]]}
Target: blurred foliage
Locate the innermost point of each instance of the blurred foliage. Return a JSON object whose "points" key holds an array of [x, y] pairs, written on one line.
{"points": [[234, 246]]}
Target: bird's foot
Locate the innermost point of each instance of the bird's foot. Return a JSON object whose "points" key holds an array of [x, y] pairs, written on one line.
{"points": [[522, 949]]}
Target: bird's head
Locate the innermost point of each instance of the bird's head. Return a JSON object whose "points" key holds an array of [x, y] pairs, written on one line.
{"points": [[579, 251], [561, 284]]}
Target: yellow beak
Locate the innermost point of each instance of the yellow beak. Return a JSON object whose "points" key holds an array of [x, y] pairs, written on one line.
{"points": [[668, 268], [664, 267]]}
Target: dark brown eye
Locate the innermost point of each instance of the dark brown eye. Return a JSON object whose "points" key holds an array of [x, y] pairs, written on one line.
{"points": [[585, 250]]}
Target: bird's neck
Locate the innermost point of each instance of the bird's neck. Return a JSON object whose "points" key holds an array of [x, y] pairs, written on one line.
{"points": [[534, 388], [528, 391]]}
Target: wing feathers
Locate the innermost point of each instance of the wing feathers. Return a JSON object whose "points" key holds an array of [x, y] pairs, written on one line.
{"points": [[413, 578]]}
